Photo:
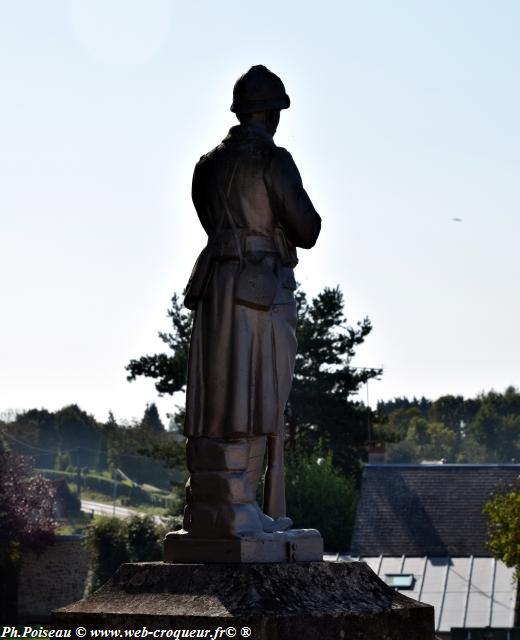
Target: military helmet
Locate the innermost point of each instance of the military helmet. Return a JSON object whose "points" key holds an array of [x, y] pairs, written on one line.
{"points": [[258, 90]]}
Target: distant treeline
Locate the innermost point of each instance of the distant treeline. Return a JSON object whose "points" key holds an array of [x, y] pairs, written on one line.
{"points": [[466, 430], [457, 429], [71, 439]]}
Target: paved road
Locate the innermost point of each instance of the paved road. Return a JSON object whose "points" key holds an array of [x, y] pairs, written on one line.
{"points": [[103, 509]]}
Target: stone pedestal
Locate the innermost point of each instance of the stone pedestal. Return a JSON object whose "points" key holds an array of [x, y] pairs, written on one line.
{"points": [[291, 601]]}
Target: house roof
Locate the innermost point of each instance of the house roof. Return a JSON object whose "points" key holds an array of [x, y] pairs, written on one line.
{"points": [[426, 510], [466, 592]]}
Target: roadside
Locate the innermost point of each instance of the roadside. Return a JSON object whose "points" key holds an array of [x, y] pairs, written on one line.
{"points": [[112, 510]]}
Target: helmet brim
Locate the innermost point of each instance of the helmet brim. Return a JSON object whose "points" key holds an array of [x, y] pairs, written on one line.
{"points": [[254, 106]]}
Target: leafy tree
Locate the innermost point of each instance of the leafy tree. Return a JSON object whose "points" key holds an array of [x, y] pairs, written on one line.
{"points": [[26, 521], [424, 441], [399, 420], [79, 434], [169, 450], [144, 539], [26, 504], [320, 496], [471, 452], [503, 517], [112, 542], [435, 441], [387, 407], [496, 426], [106, 539], [481, 429], [418, 432], [449, 410], [43, 422]]}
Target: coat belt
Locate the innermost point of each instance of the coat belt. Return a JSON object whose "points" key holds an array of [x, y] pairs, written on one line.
{"points": [[225, 245]]}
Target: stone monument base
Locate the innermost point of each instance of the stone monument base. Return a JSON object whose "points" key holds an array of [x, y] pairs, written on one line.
{"points": [[292, 601], [295, 545]]}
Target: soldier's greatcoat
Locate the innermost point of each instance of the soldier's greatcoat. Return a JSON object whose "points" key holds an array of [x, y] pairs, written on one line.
{"points": [[241, 359]]}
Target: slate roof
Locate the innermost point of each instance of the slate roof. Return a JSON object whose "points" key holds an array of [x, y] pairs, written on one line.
{"points": [[465, 592], [426, 510]]}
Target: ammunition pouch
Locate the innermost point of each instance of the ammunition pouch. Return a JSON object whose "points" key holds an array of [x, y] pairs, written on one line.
{"points": [[256, 284]]}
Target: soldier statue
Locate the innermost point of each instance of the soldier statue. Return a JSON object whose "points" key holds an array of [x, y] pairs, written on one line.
{"points": [[250, 199]]}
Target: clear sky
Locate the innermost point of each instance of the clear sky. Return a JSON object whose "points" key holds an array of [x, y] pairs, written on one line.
{"points": [[404, 116]]}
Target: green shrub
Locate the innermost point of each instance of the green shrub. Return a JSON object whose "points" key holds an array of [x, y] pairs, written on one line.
{"points": [[112, 541], [106, 539], [320, 496], [144, 539]]}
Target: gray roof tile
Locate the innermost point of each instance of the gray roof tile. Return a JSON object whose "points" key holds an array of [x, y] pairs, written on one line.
{"points": [[423, 510]]}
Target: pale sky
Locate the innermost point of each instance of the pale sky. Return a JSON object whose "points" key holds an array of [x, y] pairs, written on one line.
{"points": [[404, 115]]}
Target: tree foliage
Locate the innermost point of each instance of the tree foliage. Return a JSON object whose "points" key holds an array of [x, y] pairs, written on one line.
{"points": [[503, 517], [460, 430], [144, 539], [26, 520], [321, 405], [320, 496], [168, 369], [26, 504], [106, 541], [151, 423], [112, 542], [74, 441]]}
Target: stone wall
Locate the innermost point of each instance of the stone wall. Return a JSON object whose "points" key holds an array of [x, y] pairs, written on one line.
{"points": [[54, 578]]}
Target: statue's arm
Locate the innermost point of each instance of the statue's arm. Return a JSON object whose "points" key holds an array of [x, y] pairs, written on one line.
{"points": [[291, 204], [199, 194]]}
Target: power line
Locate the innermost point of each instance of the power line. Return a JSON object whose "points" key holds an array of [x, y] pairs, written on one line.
{"points": [[72, 449]]}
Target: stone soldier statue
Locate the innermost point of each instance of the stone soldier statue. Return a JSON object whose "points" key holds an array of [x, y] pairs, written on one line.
{"points": [[249, 198]]}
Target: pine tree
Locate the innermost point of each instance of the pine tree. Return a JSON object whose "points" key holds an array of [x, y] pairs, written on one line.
{"points": [[321, 406], [151, 423], [169, 370]]}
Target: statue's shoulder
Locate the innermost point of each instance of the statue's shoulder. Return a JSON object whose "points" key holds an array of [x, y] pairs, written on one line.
{"points": [[211, 155], [282, 163], [280, 154]]}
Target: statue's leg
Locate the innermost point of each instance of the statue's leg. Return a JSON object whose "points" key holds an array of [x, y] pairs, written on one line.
{"points": [[255, 468]]}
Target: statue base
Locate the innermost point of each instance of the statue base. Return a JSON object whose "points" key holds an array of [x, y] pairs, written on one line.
{"points": [[294, 545], [261, 601]]}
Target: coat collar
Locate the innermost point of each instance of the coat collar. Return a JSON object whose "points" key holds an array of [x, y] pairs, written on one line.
{"points": [[248, 133]]}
